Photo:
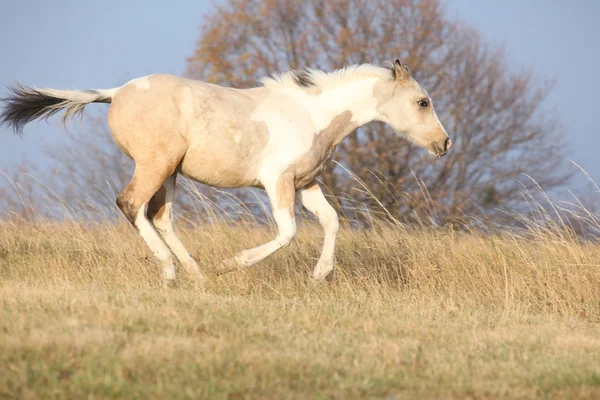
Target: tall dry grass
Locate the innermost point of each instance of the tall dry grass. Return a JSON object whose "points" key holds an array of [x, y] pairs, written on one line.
{"points": [[428, 312]]}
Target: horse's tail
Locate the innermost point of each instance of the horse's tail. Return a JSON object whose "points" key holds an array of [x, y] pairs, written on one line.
{"points": [[26, 104]]}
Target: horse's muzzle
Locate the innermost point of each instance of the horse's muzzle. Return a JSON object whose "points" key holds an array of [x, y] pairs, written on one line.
{"points": [[441, 149]]}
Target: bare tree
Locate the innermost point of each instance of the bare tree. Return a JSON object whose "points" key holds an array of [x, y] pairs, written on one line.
{"points": [[88, 166], [80, 173], [494, 112], [19, 192]]}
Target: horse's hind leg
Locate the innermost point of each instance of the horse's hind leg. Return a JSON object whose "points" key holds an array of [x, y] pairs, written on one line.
{"points": [[147, 179], [160, 213]]}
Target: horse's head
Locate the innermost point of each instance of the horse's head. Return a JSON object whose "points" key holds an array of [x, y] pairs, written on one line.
{"points": [[407, 107]]}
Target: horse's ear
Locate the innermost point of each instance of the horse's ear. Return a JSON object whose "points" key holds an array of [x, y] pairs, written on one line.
{"points": [[405, 66], [401, 72]]}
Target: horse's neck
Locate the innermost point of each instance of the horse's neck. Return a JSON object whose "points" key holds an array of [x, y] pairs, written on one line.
{"points": [[356, 97]]}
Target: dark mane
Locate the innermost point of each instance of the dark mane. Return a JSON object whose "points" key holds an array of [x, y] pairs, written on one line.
{"points": [[303, 78]]}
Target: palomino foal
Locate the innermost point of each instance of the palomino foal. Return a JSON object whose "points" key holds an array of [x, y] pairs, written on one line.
{"points": [[277, 137]]}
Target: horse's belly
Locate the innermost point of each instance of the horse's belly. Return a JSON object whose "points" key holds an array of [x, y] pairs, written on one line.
{"points": [[225, 169], [224, 158]]}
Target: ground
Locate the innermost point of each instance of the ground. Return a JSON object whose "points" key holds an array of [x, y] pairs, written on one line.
{"points": [[409, 314]]}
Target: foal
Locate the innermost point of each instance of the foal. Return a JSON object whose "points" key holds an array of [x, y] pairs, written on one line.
{"points": [[276, 137]]}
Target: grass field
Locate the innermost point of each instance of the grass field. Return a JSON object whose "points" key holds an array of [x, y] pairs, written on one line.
{"points": [[409, 314]]}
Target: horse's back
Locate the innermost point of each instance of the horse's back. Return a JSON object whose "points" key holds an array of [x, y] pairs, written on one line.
{"points": [[226, 145], [159, 115]]}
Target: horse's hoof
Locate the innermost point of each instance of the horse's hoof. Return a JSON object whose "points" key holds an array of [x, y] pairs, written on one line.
{"points": [[226, 266], [193, 271], [322, 274], [317, 279], [170, 283], [197, 276]]}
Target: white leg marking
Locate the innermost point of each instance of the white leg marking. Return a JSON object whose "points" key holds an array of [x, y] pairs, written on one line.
{"points": [[315, 202], [282, 201], [287, 230], [164, 226], [155, 243]]}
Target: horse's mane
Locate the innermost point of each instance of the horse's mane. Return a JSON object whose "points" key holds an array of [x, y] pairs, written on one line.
{"points": [[314, 78]]}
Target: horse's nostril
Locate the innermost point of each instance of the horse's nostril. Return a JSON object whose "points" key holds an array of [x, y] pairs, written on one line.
{"points": [[447, 144]]}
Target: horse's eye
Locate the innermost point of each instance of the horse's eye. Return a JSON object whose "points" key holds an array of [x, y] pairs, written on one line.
{"points": [[423, 103]]}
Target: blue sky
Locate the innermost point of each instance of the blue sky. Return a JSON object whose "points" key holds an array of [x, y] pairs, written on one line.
{"points": [[92, 44]]}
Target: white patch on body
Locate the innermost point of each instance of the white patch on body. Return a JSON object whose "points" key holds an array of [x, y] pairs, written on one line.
{"points": [[142, 83], [294, 117]]}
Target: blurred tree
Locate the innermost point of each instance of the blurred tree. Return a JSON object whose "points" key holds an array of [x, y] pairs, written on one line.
{"points": [[493, 112], [18, 192], [83, 173]]}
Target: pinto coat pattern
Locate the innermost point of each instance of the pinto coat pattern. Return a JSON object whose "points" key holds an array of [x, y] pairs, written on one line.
{"points": [[277, 137]]}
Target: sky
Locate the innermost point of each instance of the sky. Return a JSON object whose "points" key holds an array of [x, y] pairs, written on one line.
{"points": [[74, 44]]}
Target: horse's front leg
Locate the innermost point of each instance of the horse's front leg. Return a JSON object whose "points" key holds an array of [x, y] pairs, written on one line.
{"points": [[313, 200], [282, 195]]}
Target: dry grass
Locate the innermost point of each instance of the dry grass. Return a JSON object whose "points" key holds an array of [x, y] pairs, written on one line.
{"points": [[409, 314]]}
